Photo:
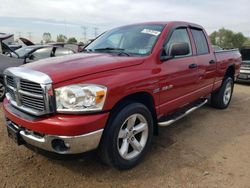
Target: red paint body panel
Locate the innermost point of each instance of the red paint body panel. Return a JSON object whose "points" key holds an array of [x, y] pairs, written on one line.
{"points": [[61, 125], [128, 75]]}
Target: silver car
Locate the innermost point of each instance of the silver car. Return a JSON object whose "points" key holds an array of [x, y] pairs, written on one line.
{"points": [[244, 75]]}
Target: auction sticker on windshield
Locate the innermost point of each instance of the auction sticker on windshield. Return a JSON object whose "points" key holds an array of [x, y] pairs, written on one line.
{"points": [[151, 32]]}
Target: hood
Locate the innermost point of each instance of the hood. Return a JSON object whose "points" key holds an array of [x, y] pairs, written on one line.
{"points": [[73, 66], [26, 41], [4, 36]]}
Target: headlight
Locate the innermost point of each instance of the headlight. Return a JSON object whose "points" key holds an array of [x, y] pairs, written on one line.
{"points": [[80, 98]]}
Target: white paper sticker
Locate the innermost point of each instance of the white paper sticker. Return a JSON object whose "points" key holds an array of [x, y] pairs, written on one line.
{"points": [[151, 32]]}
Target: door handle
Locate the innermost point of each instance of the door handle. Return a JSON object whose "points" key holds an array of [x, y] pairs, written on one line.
{"points": [[212, 62], [192, 66]]}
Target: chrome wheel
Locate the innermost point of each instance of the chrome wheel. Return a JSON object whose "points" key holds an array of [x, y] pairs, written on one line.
{"points": [[132, 137], [2, 90], [227, 93]]}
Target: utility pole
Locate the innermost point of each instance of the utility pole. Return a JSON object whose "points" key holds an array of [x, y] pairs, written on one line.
{"points": [[95, 32], [29, 35], [19, 34], [84, 28]]}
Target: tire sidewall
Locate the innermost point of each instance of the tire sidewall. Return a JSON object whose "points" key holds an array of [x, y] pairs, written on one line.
{"points": [[115, 125], [227, 80], [1, 98]]}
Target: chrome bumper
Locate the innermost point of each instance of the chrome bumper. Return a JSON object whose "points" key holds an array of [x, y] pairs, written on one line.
{"points": [[244, 71], [244, 76], [72, 144], [61, 144]]}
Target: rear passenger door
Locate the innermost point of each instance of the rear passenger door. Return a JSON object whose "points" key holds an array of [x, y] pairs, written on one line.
{"points": [[205, 60]]}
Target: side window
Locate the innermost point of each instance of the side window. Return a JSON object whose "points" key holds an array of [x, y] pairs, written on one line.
{"points": [[179, 36], [42, 53], [200, 41], [63, 51]]}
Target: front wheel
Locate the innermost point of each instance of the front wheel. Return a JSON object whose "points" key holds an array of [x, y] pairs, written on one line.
{"points": [[222, 98], [127, 137], [2, 90]]}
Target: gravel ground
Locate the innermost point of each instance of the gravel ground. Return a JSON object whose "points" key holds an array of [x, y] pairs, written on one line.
{"points": [[209, 148]]}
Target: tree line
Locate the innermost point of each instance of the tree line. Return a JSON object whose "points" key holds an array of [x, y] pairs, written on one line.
{"points": [[47, 38], [228, 39]]}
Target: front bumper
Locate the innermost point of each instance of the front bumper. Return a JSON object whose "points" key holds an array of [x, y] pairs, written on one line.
{"points": [[63, 134], [59, 144]]}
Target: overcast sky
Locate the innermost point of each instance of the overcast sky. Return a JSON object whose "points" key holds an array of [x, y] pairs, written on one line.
{"points": [[67, 16]]}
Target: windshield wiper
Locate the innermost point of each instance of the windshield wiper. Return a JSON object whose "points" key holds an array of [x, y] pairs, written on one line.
{"points": [[119, 50], [108, 48]]}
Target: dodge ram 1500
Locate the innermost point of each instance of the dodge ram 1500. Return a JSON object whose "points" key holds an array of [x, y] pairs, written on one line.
{"points": [[115, 95]]}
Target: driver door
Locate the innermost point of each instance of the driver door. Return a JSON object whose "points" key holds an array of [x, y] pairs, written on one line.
{"points": [[180, 75]]}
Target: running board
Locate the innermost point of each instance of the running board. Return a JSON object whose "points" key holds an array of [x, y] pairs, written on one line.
{"points": [[175, 117]]}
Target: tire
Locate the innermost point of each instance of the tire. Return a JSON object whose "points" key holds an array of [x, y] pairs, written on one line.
{"points": [[127, 136], [2, 90], [222, 98]]}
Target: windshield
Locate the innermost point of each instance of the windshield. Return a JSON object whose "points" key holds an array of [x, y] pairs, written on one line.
{"points": [[24, 51], [132, 40], [245, 54]]}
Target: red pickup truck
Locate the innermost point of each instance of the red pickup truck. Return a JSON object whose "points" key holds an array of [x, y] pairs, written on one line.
{"points": [[115, 95]]}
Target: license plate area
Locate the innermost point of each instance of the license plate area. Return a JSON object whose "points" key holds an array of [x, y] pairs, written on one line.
{"points": [[14, 133]]}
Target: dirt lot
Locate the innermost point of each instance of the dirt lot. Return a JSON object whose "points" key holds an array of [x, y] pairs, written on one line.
{"points": [[209, 148]]}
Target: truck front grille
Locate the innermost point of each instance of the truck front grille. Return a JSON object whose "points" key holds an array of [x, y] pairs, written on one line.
{"points": [[29, 96]]}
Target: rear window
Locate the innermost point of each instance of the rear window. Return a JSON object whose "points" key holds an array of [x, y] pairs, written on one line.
{"points": [[200, 41]]}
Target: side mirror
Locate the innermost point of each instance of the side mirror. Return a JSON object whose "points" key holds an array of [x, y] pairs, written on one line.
{"points": [[175, 49], [29, 58], [179, 49]]}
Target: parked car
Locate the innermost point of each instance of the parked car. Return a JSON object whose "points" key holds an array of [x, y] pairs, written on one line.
{"points": [[217, 48], [4, 49], [75, 47], [26, 55], [25, 42], [36, 52], [113, 97], [244, 75]]}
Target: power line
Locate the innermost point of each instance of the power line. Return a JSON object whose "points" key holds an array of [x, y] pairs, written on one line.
{"points": [[96, 31], [84, 28], [29, 35], [19, 34]]}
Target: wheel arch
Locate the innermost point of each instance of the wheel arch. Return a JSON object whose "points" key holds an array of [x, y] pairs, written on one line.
{"points": [[142, 97], [230, 72]]}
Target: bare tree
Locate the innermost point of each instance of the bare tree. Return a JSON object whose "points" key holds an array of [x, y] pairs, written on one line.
{"points": [[47, 37]]}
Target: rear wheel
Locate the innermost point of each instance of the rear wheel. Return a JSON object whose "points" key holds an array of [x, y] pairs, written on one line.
{"points": [[222, 98], [127, 137]]}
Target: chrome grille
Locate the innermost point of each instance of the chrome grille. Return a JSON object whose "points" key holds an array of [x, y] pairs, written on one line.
{"points": [[10, 81], [31, 102], [28, 86], [11, 92], [26, 94]]}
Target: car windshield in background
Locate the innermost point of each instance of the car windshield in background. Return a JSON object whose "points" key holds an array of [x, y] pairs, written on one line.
{"points": [[129, 40], [245, 54], [24, 51]]}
